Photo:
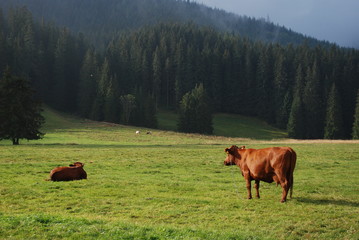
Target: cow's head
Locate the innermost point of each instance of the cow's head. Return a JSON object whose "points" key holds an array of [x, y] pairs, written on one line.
{"points": [[232, 154], [77, 164]]}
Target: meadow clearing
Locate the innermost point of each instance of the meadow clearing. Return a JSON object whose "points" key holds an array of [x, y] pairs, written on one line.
{"points": [[169, 185]]}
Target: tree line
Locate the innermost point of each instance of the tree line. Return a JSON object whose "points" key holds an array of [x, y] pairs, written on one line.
{"points": [[310, 91], [300, 88]]}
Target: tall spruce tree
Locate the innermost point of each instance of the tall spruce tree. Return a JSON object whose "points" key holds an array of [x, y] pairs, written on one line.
{"points": [[112, 109], [264, 95], [128, 104], [355, 133], [20, 116], [98, 108], [281, 94], [157, 76], [195, 112], [334, 119], [88, 82], [296, 121], [313, 104]]}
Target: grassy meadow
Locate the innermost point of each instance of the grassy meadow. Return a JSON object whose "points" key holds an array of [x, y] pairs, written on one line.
{"points": [[169, 185]]}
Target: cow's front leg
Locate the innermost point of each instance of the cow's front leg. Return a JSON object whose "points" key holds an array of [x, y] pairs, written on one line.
{"points": [[248, 182], [257, 188]]}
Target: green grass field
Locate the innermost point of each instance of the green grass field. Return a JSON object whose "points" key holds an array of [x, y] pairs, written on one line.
{"points": [[170, 186]]}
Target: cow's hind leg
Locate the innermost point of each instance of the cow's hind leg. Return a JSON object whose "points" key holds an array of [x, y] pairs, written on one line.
{"points": [[257, 188], [285, 186]]}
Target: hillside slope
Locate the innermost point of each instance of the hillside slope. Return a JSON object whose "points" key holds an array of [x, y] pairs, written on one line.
{"points": [[229, 125], [226, 125], [99, 20]]}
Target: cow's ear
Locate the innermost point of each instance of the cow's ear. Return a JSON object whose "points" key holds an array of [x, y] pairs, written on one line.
{"points": [[71, 165], [243, 147], [228, 151]]}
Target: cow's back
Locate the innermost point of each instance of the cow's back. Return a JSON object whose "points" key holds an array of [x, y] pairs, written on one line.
{"points": [[67, 174], [266, 163]]}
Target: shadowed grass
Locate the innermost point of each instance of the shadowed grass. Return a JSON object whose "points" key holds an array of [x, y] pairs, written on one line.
{"points": [[229, 125]]}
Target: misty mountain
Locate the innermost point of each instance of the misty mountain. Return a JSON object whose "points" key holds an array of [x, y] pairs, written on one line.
{"points": [[100, 20]]}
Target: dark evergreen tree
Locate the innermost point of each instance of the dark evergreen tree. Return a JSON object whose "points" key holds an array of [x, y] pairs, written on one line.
{"points": [[347, 89], [88, 83], [282, 95], [313, 106], [157, 76], [296, 128], [149, 112], [128, 104], [103, 84], [20, 112], [195, 114], [180, 80], [334, 118], [168, 89], [112, 111], [249, 98], [58, 88], [3, 47], [144, 111], [264, 90], [296, 122], [355, 133]]}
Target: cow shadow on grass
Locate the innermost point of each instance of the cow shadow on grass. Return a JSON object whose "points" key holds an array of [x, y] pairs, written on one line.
{"points": [[328, 202]]}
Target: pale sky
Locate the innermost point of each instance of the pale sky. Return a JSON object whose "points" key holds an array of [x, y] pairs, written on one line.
{"points": [[332, 20]]}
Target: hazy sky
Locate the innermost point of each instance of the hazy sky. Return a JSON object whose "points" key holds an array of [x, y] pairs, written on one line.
{"points": [[332, 20]]}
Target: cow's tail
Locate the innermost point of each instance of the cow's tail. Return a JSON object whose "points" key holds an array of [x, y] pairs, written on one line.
{"points": [[293, 160]]}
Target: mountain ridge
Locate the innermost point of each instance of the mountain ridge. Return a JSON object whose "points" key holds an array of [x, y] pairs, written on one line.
{"points": [[94, 18]]}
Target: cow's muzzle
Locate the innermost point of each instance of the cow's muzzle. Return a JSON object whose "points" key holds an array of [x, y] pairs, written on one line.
{"points": [[229, 163]]}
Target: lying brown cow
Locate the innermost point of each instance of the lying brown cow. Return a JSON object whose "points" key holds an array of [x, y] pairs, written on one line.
{"points": [[269, 164], [73, 172]]}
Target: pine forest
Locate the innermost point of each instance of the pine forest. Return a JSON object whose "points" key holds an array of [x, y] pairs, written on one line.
{"points": [[310, 90]]}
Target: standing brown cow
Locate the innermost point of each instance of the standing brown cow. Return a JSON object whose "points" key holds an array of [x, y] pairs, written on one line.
{"points": [[73, 172], [269, 164]]}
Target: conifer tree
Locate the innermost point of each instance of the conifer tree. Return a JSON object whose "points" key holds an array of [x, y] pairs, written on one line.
{"points": [[88, 83], [128, 104], [98, 108], [112, 102], [334, 119], [195, 114], [281, 92], [265, 104], [144, 113], [180, 71], [58, 88], [3, 47], [20, 116], [296, 121], [157, 76], [355, 133], [313, 104]]}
